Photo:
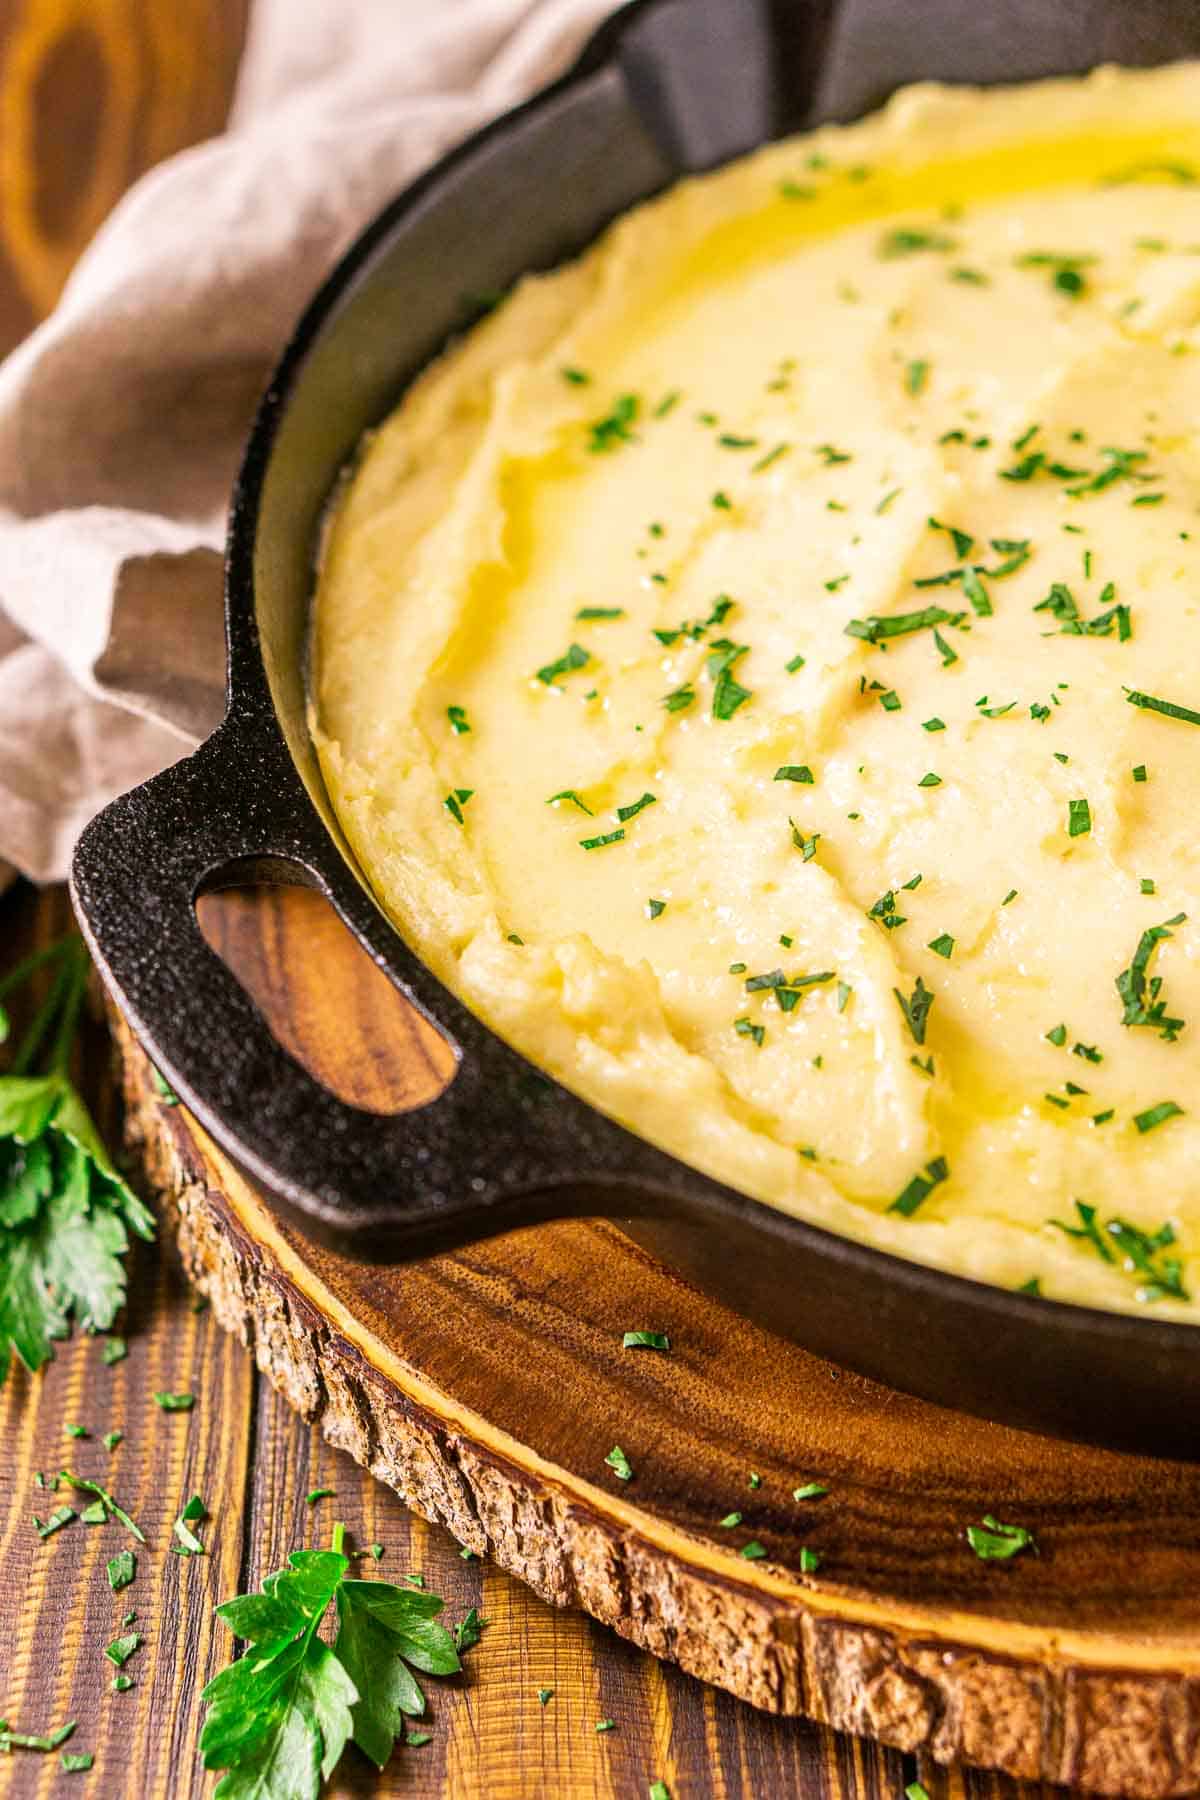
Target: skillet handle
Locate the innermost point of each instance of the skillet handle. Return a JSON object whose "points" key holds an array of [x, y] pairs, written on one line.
{"points": [[500, 1146]]}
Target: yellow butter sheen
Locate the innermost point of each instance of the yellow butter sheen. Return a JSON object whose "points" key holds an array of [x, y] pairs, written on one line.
{"points": [[956, 340]]}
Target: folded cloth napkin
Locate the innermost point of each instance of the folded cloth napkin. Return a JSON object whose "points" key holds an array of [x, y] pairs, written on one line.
{"points": [[122, 417]]}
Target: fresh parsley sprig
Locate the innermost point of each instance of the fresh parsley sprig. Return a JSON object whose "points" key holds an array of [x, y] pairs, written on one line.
{"points": [[280, 1717], [65, 1212]]}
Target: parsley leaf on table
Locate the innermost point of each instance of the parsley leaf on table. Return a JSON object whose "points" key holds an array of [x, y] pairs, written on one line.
{"points": [[280, 1717], [65, 1212], [381, 1630]]}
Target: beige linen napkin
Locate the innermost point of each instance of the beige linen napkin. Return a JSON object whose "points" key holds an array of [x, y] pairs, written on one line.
{"points": [[122, 417]]}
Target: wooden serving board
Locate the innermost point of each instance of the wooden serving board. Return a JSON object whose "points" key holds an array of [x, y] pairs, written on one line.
{"points": [[488, 1387]]}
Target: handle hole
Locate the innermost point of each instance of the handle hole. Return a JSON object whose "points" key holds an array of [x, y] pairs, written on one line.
{"points": [[324, 999]]}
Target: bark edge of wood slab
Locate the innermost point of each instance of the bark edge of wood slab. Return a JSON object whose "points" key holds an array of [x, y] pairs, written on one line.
{"points": [[1111, 1730]]}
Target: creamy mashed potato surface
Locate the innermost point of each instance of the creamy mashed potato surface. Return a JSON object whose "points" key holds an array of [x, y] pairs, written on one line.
{"points": [[759, 669]]}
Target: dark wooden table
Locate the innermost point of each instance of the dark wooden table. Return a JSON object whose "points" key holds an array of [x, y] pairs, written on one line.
{"points": [[91, 92]]}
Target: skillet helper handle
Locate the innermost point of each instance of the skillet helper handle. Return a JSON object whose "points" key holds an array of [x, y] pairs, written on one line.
{"points": [[496, 1148]]}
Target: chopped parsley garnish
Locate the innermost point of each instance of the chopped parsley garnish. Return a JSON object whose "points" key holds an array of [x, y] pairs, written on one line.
{"points": [[915, 377], [619, 1463], [884, 910], [730, 1521], [772, 456], [747, 1028], [1119, 465], [679, 698], [616, 427], [1066, 272], [575, 377], [812, 1490], [916, 1009], [993, 1542], [655, 908], [797, 662], [1079, 818], [807, 846], [1142, 995], [599, 843], [1057, 1035], [574, 657], [459, 722], [907, 241], [601, 612], [1060, 602], [830, 455], [645, 1340], [1168, 708], [573, 797], [794, 772], [753, 1551], [962, 540], [876, 627], [1139, 1251], [728, 694], [175, 1402], [625, 813], [787, 989], [942, 945], [455, 801], [930, 780], [1157, 1115], [934, 724], [920, 1187], [121, 1570]]}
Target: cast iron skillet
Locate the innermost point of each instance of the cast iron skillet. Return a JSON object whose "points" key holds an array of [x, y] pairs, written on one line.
{"points": [[667, 86]]}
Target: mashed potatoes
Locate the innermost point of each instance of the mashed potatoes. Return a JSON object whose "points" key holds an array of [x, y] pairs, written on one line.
{"points": [[759, 670]]}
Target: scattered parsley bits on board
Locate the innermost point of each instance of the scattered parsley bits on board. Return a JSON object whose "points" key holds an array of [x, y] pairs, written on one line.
{"points": [[619, 1463], [121, 1570], [645, 1340], [175, 1402], [993, 1542]]}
